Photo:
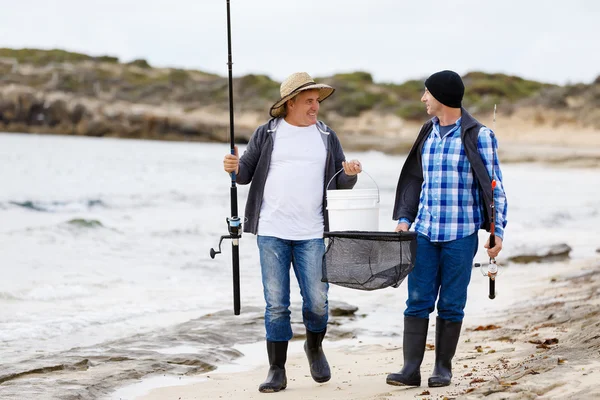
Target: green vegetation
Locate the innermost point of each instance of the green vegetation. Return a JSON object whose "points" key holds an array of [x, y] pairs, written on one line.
{"points": [[484, 90], [257, 86], [411, 111], [357, 78], [140, 62], [178, 76], [352, 102], [44, 57], [356, 92], [513, 88], [408, 90]]}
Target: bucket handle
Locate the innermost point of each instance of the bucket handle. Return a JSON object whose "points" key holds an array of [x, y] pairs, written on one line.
{"points": [[376, 185]]}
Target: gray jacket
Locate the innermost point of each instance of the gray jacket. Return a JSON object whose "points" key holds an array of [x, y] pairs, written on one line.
{"points": [[255, 162]]}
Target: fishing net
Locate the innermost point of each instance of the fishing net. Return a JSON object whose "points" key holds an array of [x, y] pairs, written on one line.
{"points": [[368, 260]]}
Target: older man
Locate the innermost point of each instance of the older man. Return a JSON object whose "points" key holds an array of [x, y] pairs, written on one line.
{"points": [[289, 160]]}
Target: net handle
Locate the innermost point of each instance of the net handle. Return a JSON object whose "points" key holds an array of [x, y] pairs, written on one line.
{"points": [[376, 185]]}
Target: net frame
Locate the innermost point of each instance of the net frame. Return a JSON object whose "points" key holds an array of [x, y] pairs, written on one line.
{"points": [[371, 271]]}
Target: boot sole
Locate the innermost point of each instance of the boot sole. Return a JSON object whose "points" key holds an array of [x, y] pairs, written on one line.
{"points": [[322, 380], [398, 383], [270, 390], [438, 384]]}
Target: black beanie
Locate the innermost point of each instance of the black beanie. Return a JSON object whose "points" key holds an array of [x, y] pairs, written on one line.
{"points": [[447, 88]]}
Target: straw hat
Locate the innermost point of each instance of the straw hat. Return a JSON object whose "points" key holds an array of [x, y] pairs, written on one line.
{"points": [[295, 84]]}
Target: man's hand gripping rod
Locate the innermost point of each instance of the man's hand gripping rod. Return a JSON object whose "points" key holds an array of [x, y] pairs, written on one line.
{"points": [[492, 270]]}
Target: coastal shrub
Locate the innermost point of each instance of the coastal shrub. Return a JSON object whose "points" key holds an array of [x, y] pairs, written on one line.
{"points": [[107, 59], [257, 86], [409, 90], [178, 76], [44, 57], [412, 111], [483, 104], [137, 78], [479, 85], [218, 92], [357, 77], [489, 88], [554, 97], [389, 102], [107, 76], [351, 104], [140, 62], [576, 89]]}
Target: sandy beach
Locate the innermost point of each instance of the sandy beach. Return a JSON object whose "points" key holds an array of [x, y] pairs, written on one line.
{"points": [[541, 339]]}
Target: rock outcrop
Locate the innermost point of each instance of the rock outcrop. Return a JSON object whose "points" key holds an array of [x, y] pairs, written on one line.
{"points": [[59, 92]]}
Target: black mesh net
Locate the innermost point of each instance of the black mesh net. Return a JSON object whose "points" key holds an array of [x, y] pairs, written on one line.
{"points": [[368, 260]]}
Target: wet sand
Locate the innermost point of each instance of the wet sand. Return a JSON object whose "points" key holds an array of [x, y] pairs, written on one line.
{"points": [[547, 346]]}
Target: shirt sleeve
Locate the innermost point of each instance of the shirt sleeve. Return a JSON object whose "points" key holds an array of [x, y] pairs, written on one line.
{"points": [[488, 149], [405, 220]]}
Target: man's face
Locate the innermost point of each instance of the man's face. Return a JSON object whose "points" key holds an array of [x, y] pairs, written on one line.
{"points": [[434, 107], [304, 108]]}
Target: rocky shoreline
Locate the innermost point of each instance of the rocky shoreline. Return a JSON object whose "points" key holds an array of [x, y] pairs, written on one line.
{"points": [[58, 92], [25, 110]]}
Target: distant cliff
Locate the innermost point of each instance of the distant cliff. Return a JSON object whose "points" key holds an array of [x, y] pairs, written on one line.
{"points": [[54, 91]]}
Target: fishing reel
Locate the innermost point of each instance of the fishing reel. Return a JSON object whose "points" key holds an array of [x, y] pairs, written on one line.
{"points": [[234, 226], [491, 271]]}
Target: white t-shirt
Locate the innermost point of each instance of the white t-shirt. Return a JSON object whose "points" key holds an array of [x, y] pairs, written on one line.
{"points": [[293, 198]]}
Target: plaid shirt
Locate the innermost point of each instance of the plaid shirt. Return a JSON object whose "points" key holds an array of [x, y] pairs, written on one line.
{"points": [[451, 206]]}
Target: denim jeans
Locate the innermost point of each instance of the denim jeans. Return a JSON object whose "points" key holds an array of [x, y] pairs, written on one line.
{"points": [[306, 257], [442, 272]]}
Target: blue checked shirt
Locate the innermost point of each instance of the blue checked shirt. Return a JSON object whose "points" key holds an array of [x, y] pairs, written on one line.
{"points": [[451, 205]]}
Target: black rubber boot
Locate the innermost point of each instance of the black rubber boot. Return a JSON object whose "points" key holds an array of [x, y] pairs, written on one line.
{"points": [[446, 340], [319, 367], [413, 346], [276, 379]]}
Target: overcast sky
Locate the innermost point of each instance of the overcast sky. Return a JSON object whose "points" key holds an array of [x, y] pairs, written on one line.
{"points": [[395, 40]]}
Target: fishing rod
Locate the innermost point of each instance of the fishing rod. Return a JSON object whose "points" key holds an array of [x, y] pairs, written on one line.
{"points": [[492, 269], [492, 266], [234, 224]]}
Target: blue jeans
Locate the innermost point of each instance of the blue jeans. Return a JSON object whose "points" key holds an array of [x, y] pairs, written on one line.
{"points": [[442, 272], [306, 256]]}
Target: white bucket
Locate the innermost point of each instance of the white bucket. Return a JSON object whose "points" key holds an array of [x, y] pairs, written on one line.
{"points": [[353, 209]]}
